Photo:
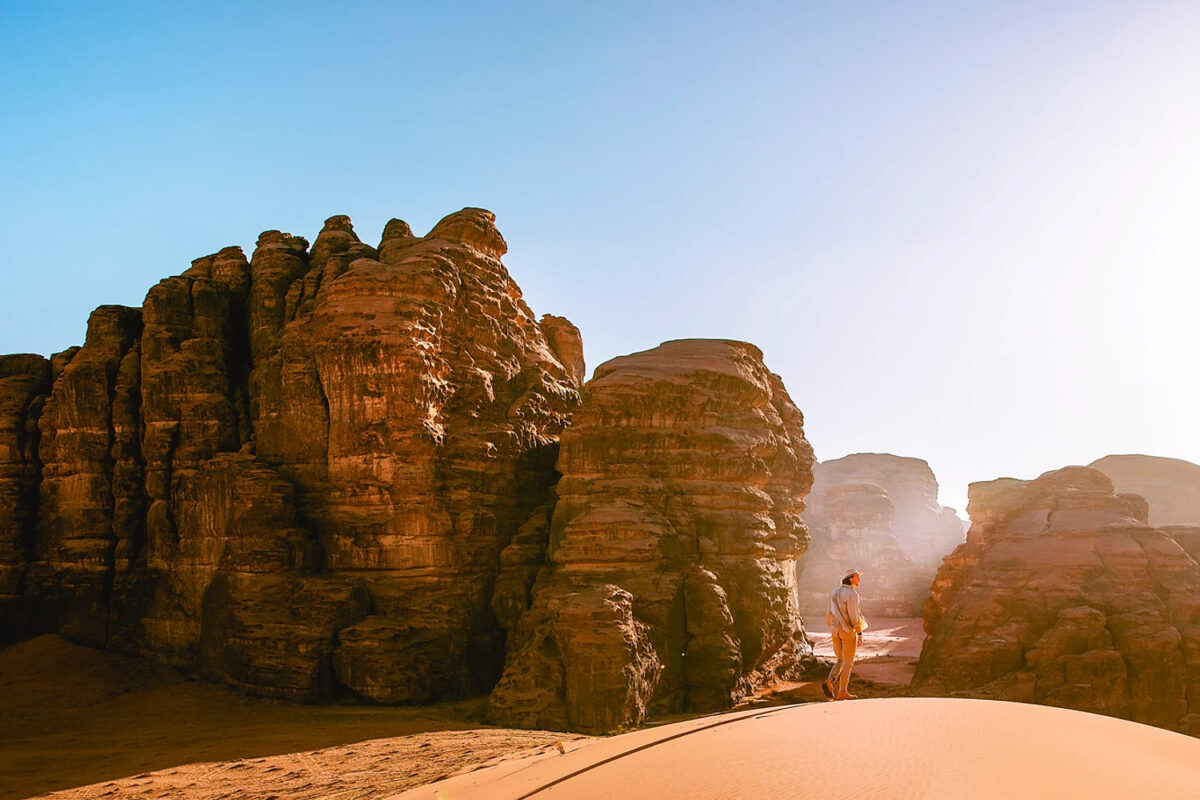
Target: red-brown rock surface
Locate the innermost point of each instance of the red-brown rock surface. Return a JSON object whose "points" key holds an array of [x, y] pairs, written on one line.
{"points": [[87, 423], [672, 546], [1170, 485], [567, 343], [24, 384], [1187, 536], [297, 472], [878, 513], [194, 406], [1063, 595]]}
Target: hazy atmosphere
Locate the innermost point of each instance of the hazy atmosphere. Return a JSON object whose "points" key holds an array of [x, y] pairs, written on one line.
{"points": [[961, 234]]}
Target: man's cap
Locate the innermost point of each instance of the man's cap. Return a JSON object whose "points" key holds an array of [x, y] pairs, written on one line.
{"points": [[851, 573]]}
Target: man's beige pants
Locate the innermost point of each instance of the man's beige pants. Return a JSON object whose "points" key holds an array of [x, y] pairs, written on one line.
{"points": [[844, 645]]}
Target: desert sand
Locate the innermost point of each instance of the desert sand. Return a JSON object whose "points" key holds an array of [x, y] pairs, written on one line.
{"points": [[888, 653], [893, 748], [72, 716], [122, 728], [95, 724]]}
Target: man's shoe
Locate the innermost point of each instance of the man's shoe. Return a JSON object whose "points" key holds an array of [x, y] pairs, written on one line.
{"points": [[827, 688], [847, 696]]}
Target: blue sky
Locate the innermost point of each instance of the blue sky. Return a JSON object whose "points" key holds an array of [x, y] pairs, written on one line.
{"points": [[964, 232]]}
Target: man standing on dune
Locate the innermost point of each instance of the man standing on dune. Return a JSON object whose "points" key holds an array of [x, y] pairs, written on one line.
{"points": [[846, 623]]}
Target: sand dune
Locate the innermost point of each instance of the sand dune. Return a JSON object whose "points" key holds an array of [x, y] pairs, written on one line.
{"points": [[888, 748], [72, 715]]}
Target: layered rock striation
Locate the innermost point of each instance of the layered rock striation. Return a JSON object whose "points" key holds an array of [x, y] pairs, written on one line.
{"points": [[671, 549], [878, 513], [296, 472], [24, 384], [331, 469], [1064, 595]]}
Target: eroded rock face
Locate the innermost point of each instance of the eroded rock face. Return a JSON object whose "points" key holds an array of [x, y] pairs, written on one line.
{"points": [[567, 343], [924, 530], [86, 488], [672, 546], [24, 384], [444, 402], [1063, 595], [1171, 486], [298, 472], [878, 513], [194, 406], [856, 529]]}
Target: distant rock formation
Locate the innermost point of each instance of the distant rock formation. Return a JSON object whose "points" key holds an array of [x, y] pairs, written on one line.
{"points": [[1063, 595], [1170, 485], [856, 530], [878, 513], [924, 530], [1187, 537], [292, 473], [672, 546]]}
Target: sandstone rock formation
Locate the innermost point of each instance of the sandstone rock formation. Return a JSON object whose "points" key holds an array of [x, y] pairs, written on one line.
{"points": [[671, 548], [1063, 595], [856, 530], [296, 473], [332, 469], [1170, 485], [24, 384], [878, 513], [85, 487], [925, 531], [1187, 537]]}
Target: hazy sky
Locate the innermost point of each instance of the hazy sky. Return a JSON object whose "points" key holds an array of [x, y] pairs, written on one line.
{"points": [[965, 232]]}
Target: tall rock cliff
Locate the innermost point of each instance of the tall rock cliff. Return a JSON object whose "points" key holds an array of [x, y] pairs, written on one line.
{"points": [[296, 473], [1063, 595], [878, 513], [24, 384], [86, 426], [671, 548]]}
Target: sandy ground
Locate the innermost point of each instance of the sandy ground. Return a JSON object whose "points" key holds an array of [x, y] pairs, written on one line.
{"points": [[883, 666], [123, 728], [891, 749], [889, 651], [71, 716], [371, 769]]}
